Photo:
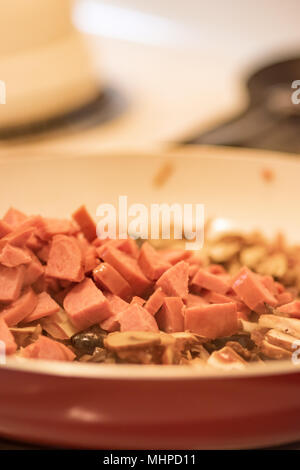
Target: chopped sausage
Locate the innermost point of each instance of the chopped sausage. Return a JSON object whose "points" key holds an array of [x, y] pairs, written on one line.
{"points": [[128, 268], [20, 309], [151, 263], [12, 256], [108, 278], [65, 259], [11, 282], [174, 282], [155, 301], [45, 306], [86, 305], [170, 317], [212, 321], [207, 280], [137, 318], [250, 289], [85, 222]]}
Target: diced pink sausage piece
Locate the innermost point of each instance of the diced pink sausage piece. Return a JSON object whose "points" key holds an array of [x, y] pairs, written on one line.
{"points": [[155, 301], [193, 300], [284, 298], [51, 227], [212, 321], [65, 259], [86, 305], [117, 306], [5, 229], [137, 300], [43, 253], [48, 349], [34, 243], [90, 259], [216, 298], [137, 318], [12, 256], [11, 281], [129, 246], [193, 268], [20, 309], [174, 256], [210, 281], [89, 253], [292, 309], [86, 223], [7, 338], [14, 217], [22, 233], [270, 284], [17, 237], [151, 263], [216, 269], [170, 317], [174, 282], [250, 290], [128, 268], [34, 271], [45, 306], [107, 277]]}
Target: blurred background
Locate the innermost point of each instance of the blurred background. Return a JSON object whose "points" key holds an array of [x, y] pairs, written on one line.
{"points": [[86, 75]]}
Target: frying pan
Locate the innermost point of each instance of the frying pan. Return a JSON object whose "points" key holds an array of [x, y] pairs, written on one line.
{"points": [[154, 407]]}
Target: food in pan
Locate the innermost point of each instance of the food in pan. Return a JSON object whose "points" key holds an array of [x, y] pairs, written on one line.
{"points": [[67, 295]]}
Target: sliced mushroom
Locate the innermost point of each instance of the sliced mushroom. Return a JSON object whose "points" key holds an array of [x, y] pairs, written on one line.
{"points": [[280, 339], [131, 340], [248, 326], [275, 265], [241, 351], [24, 336], [253, 255], [224, 251], [274, 352], [59, 326], [290, 326], [226, 359]]}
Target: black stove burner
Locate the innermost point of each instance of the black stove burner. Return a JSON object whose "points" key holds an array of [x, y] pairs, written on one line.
{"points": [[271, 120], [106, 106]]}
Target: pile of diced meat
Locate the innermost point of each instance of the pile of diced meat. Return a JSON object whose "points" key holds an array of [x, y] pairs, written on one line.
{"points": [[61, 287]]}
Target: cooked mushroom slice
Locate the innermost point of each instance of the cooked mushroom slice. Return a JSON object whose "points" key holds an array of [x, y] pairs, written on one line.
{"points": [[224, 251], [199, 353], [258, 335], [59, 326], [226, 359], [22, 334], [252, 255], [281, 339], [170, 356], [131, 340], [248, 326], [185, 339], [290, 326], [274, 352], [275, 265], [241, 351]]}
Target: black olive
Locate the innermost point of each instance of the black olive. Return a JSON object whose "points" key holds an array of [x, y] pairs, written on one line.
{"points": [[86, 342]]}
